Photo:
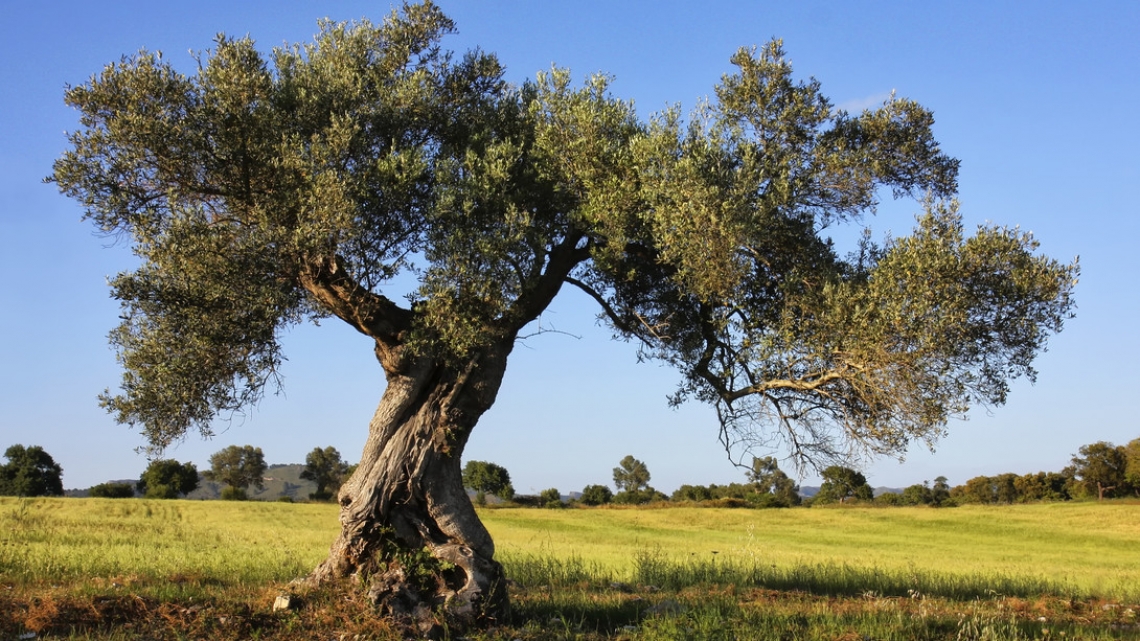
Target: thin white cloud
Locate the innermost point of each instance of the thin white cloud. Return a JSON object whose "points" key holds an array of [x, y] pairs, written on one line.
{"points": [[857, 105]]}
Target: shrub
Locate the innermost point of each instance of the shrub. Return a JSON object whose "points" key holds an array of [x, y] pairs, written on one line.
{"points": [[596, 495], [551, 498], [322, 496], [112, 491], [234, 494], [168, 479]]}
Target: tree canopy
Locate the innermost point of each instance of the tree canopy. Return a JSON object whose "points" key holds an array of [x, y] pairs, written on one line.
{"points": [[768, 478], [631, 475], [168, 479], [488, 478], [325, 468], [237, 467], [262, 191], [841, 484], [30, 471], [1101, 466]]}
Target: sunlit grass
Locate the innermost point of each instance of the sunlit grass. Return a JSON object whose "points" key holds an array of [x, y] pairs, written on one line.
{"points": [[106, 541], [1020, 572], [1080, 548]]}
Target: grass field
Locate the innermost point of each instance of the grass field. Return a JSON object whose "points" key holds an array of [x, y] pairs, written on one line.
{"points": [[111, 569], [1076, 548]]}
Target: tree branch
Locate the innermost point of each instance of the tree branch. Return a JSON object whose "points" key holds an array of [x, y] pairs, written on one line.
{"points": [[369, 313]]}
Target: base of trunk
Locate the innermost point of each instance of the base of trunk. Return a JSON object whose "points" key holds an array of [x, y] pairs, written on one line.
{"points": [[451, 588]]}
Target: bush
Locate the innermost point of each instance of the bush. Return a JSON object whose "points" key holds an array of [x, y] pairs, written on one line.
{"points": [[639, 497], [596, 495], [694, 493], [889, 498], [730, 502], [322, 496], [527, 500], [160, 491], [551, 498], [112, 491], [168, 479], [234, 494]]}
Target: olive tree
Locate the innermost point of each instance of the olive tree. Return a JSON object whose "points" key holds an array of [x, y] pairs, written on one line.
{"points": [[631, 475], [769, 479], [596, 494], [841, 484], [237, 467], [168, 479], [488, 478], [1102, 467], [1132, 464], [265, 189], [30, 471], [326, 469]]}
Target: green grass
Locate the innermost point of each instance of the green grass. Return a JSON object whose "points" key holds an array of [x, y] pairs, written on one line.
{"points": [[1084, 549], [119, 569], [174, 544]]}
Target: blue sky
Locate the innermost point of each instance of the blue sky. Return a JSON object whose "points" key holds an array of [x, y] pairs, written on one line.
{"points": [[1039, 101]]}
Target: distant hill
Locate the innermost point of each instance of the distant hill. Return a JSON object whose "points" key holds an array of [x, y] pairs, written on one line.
{"points": [[808, 491]]}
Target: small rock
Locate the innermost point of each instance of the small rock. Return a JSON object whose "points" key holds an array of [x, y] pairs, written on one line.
{"points": [[621, 587], [282, 602]]}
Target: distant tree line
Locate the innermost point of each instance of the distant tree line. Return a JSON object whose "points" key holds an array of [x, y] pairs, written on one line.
{"points": [[30, 471], [1098, 471]]}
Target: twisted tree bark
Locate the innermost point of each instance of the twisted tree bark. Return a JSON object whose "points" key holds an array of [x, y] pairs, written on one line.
{"points": [[408, 528]]}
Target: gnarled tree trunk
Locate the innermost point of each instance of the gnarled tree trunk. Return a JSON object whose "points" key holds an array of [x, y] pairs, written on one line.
{"points": [[408, 528]]}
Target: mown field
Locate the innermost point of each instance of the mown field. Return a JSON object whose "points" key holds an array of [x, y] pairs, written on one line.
{"points": [[127, 569]]}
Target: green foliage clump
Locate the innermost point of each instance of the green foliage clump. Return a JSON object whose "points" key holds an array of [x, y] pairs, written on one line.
{"points": [[639, 497], [112, 491], [488, 478], [631, 475], [551, 498], [30, 471], [326, 469], [631, 478], [238, 467], [168, 479], [230, 493], [1132, 465], [841, 485], [596, 495], [1102, 469]]}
